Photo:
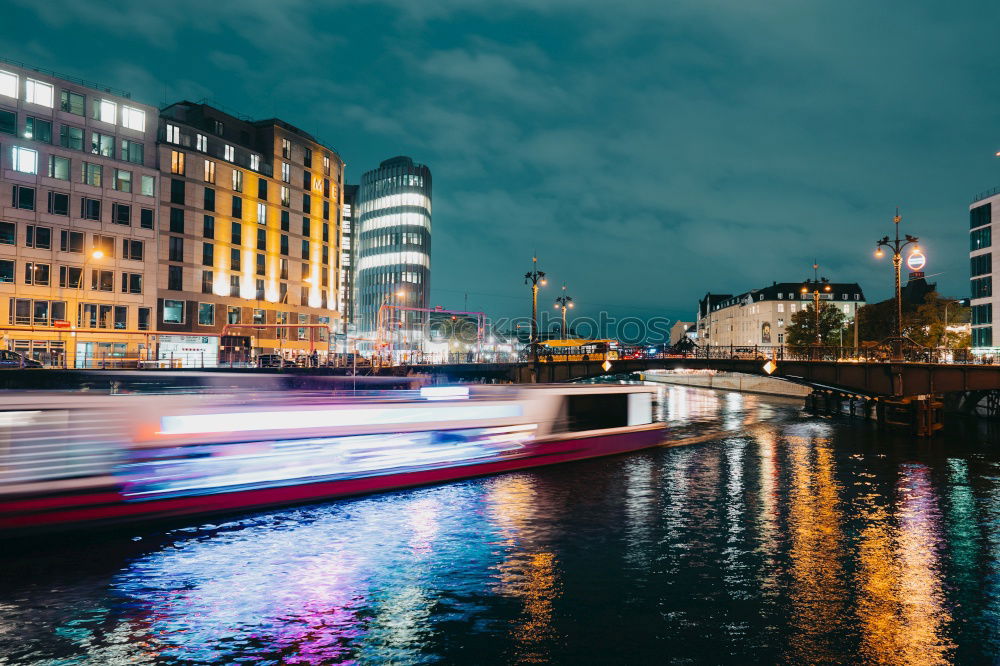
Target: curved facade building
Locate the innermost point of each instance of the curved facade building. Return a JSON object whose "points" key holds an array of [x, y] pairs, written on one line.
{"points": [[392, 250]]}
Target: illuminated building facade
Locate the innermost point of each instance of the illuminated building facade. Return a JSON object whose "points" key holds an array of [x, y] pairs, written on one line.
{"points": [[392, 251], [78, 218], [760, 317], [250, 237], [346, 253], [983, 303]]}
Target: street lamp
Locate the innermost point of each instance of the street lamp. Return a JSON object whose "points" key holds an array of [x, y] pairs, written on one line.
{"points": [[962, 302], [896, 245], [535, 278], [817, 286], [563, 302]]}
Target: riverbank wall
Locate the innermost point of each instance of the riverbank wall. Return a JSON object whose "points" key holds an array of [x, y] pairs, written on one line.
{"points": [[729, 381]]}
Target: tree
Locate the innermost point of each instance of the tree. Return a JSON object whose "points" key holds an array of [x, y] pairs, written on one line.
{"points": [[802, 329], [924, 323]]}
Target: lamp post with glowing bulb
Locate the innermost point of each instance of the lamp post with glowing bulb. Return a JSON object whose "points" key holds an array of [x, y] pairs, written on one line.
{"points": [[817, 286], [535, 278], [96, 255], [562, 303], [896, 245]]}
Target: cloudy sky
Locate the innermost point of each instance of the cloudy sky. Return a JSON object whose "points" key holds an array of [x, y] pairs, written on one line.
{"points": [[647, 150]]}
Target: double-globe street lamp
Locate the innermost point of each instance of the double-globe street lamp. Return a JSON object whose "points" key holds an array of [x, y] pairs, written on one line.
{"points": [[562, 303], [896, 245], [535, 278], [817, 286]]}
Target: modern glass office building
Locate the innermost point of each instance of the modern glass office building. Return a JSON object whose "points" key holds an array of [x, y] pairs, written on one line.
{"points": [[392, 252]]}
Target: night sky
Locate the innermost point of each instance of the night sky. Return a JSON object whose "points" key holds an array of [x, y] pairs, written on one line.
{"points": [[647, 150]]}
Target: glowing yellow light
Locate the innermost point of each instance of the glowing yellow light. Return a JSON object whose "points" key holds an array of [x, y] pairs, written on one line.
{"points": [[804, 290], [878, 253], [97, 254]]}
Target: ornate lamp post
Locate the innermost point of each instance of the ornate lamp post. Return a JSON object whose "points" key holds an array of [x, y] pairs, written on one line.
{"points": [[896, 245], [817, 286], [562, 303], [535, 278]]}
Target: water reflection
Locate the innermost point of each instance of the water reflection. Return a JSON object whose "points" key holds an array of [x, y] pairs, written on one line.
{"points": [[775, 538]]}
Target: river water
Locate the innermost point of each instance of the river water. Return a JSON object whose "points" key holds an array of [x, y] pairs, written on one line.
{"points": [[759, 535]]}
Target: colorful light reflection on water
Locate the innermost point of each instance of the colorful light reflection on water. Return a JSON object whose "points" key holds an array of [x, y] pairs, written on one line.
{"points": [[771, 537]]}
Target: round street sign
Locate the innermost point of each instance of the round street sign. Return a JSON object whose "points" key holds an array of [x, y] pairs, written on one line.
{"points": [[916, 261]]}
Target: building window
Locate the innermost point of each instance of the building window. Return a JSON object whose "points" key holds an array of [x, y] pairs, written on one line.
{"points": [[104, 110], [255, 162], [8, 122], [132, 249], [306, 227], [261, 213], [286, 148], [70, 277], [131, 283], [176, 191], [208, 227], [132, 151], [234, 286], [91, 173], [8, 84], [106, 244], [306, 204], [207, 254], [230, 153], [102, 144], [207, 278], [173, 133], [35, 273], [234, 259], [38, 237], [284, 244], [71, 241], [209, 171], [982, 287], [209, 199], [981, 215], [206, 314], [237, 180], [980, 238], [146, 218], [72, 102], [121, 214], [148, 187], [260, 264], [233, 314], [6, 270], [981, 264], [122, 181], [307, 158], [258, 314], [59, 167], [71, 137], [177, 162], [236, 234], [143, 319], [286, 172], [176, 221], [25, 160], [176, 249], [326, 165], [305, 249], [101, 280], [39, 92], [38, 129], [7, 233], [286, 198], [262, 239], [90, 209], [173, 312], [201, 142], [283, 270], [326, 210], [175, 281], [237, 207]]}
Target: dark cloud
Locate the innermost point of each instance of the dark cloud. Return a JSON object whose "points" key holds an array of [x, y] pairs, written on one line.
{"points": [[648, 151]]}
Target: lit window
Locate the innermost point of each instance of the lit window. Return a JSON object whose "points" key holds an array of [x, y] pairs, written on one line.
{"points": [[176, 162], [39, 93], [286, 198], [237, 180], [147, 186], [286, 172], [8, 84], [105, 111], [133, 118], [122, 181], [261, 213], [209, 171], [286, 148], [326, 165], [25, 160], [173, 133], [255, 162], [201, 142], [230, 153]]}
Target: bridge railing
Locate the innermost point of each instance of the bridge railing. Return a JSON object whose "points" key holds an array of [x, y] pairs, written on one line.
{"points": [[867, 354]]}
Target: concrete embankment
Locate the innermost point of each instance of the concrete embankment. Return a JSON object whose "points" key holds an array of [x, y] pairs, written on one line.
{"points": [[730, 381]]}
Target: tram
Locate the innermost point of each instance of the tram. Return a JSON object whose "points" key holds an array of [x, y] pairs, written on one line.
{"points": [[578, 350]]}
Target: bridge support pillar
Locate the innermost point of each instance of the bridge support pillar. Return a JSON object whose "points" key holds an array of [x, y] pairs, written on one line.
{"points": [[920, 414]]}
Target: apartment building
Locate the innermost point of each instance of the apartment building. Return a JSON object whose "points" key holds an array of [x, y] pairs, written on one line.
{"points": [[250, 244], [78, 219]]}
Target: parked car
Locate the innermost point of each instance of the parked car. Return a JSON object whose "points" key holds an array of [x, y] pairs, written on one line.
{"points": [[273, 361], [10, 359]]}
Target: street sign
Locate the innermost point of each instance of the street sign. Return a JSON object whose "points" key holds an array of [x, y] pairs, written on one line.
{"points": [[606, 365], [770, 367], [60, 323]]}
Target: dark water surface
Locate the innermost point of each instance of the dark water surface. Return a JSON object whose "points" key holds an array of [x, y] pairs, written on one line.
{"points": [[781, 538]]}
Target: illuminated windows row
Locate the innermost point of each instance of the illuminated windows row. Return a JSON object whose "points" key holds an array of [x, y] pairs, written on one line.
{"points": [[394, 259], [398, 220], [394, 200], [43, 94]]}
